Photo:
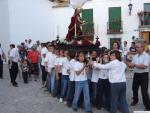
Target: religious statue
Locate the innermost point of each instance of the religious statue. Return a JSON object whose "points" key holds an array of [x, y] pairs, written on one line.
{"points": [[74, 28]]}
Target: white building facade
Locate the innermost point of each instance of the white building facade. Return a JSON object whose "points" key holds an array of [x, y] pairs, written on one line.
{"points": [[129, 23], [37, 20]]}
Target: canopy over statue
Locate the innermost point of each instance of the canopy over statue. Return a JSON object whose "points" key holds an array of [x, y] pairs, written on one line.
{"points": [[74, 28], [77, 4]]}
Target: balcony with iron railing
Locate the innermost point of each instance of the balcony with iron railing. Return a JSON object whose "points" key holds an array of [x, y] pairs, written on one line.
{"points": [[88, 29], [114, 27], [144, 17]]}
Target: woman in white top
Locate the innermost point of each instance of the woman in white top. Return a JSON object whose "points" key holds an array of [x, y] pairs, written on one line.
{"points": [[81, 84], [117, 80], [103, 85]]}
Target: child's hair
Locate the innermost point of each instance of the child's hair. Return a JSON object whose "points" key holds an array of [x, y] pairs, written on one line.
{"points": [[117, 54], [50, 45], [72, 54], [81, 53], [23, 60], [103, 62]]}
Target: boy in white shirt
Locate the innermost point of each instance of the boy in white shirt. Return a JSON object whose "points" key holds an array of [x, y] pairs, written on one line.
{"points": [[65, 76], [71, 84], [94, 79], [50, 68], [43, 55], [58, 68]]}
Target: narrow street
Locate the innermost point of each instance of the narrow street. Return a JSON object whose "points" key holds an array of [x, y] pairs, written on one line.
{"points": [[31, 98]]}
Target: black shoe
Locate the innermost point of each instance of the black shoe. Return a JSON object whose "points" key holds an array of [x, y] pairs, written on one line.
{"points": [[69, 104], [89, 112], [134, 103], [75, 110], [147, 109], [98, 107], [15, 85]]}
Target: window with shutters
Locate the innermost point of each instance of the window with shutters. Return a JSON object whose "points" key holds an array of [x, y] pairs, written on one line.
{"points": [[146, 13], [88, 28], [114, 25]]}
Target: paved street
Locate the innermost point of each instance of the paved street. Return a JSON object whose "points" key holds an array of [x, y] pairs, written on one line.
{"points": [[31, 98]]}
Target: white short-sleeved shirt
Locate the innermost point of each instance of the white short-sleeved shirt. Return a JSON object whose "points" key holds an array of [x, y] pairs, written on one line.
{"points": [[43, 51], [50, 59], [125, 51], [72, 69], [1, 51], [144, 58], [59, 61], [39, 48], [82, 76], [116, 70], [14, 54], [30, 45], [95, 75], [65, 66]]}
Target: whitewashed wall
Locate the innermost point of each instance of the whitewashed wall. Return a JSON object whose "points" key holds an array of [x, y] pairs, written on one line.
{"points": [[36, 19], [4, 25], [30, 19]]}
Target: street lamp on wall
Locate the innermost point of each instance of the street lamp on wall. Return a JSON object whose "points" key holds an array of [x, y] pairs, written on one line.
{"points": [[130, 7]]}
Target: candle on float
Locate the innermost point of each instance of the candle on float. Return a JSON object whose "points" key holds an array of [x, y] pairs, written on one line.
{"points": [[75, 32], [57, 30], [97, 29]]}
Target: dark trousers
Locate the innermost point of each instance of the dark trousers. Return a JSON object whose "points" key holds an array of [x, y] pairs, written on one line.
{"points": [[64, 86], [93, 93], [25, 77], [141, 79], [70, 92], [90, 89], [44, 73], [118, 97], [103, 90], [1, 68], [58, 86], [13, 73]]}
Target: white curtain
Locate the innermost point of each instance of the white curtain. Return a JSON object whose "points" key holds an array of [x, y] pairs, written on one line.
{"points": [[77, 3]]}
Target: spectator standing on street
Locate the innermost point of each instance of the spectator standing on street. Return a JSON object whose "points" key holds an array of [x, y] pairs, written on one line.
{"points": [[140, 64], [33, 58], [125, 50], [14, 59], [2, 57], [30, 44], [43, 55], [25, 70]]}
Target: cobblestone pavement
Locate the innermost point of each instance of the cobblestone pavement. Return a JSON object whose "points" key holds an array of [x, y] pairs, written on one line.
{"points": [[31, 98]]}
